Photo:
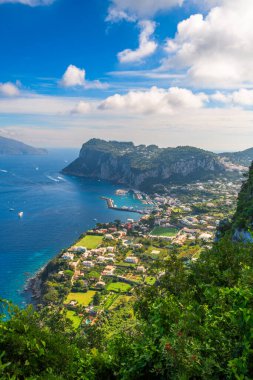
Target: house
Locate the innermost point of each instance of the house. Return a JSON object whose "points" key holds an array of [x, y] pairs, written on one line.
{"points": [[131, 260], [109, 237], [206, 237], [78, 249], [155, 252], [100, 285], [68, 256], [108, 271], [141, 269], [110, 249], [88, 264]]}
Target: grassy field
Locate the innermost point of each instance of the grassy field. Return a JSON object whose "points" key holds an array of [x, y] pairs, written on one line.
{"points": [[119, 300], [118, 287], [90, 241], [74, 318], [161, 231], [83, 299]]}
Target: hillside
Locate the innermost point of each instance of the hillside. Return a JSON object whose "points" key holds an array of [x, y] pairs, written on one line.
{"points": [[242, 222], [143, 166], [244, 157], [14, 147], [194, 322]]}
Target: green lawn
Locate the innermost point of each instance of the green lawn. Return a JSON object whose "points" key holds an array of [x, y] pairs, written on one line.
{"points": [[83, 299], [90, 241], [118, 287], [74, 318], [150, 280], [162, 231]]}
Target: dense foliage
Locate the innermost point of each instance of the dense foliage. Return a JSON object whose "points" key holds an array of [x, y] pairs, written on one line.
{"points": [[195, 323], [243, 217]]}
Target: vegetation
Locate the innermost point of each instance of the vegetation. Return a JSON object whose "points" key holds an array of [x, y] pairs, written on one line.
{"points": [[83, 299], [183, 320], [118, 287], [196, 323], [163, 231], [90, 241]]}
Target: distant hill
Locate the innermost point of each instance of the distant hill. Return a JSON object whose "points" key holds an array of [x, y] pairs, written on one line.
{"points": [[14, 147], [143, 166], [244, 157]]}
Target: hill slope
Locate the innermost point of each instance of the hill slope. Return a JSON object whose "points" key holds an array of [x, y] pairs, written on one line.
{"points": [[143, 166], [244, 157], [14, 147]]}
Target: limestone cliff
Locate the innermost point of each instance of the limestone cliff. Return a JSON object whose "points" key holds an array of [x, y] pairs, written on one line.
{"points": [[143, 166]]}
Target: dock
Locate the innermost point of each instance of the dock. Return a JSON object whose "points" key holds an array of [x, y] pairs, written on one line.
{"points": [[111, 205]]}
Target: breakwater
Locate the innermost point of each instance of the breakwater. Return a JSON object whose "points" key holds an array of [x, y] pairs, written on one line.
{"points": [[111, 205]]}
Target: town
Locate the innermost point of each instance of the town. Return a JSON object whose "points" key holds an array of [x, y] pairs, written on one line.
{"points": [[102, 270]]}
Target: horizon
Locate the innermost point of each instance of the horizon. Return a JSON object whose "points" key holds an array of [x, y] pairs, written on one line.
{"points": [[122, 70], [123, 141]]}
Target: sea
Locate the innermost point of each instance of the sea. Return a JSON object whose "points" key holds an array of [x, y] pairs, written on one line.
{"points": [[56, 210]]}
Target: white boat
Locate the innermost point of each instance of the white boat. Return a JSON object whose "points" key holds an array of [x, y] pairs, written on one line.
{"points": [[20, 214]]}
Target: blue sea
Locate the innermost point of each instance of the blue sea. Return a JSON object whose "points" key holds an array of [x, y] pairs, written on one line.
{"points": [[57, 209]]}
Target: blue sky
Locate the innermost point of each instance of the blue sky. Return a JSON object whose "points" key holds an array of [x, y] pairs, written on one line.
{"points": [[171, 72]]}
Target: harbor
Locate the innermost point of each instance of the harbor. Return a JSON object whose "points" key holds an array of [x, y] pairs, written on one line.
{"points": [[111, 205]]}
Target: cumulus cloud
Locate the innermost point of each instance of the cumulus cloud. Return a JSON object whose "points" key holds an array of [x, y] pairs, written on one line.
{"points": [[242, 98], [82, 108], [146, 46], [155, 101], [9, 89], [31, 3], [75, 77], [131, 10], [216, 50]]}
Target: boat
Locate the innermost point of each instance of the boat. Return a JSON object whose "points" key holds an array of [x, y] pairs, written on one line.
{"points": [[20, 214], [11, 209]]}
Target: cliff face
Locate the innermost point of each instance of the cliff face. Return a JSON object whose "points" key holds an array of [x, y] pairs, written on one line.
{"points": [[143, 166]]}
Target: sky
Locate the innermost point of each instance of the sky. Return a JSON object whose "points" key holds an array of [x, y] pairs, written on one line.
{"points": [[165, 72]]}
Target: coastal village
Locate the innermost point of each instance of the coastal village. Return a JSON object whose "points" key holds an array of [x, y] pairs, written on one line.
{"points": [[101, 271]]}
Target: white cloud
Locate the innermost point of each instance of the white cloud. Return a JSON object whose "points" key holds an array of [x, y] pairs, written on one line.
{"points": [[82, 108], [31, 104], [146, 46], [31, 3], [242, 98], [216, 50], [9, 89], [131, 10], [155, 101], [75, 77]]}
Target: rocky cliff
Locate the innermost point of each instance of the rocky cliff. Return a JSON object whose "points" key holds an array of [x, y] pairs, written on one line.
{"points": [[143, 166]]}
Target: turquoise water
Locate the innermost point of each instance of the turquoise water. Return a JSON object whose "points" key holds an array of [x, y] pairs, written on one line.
{"points": [[57, 209]]}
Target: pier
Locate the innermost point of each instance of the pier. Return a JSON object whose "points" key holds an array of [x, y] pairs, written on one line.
{"points": [[110, 204]]}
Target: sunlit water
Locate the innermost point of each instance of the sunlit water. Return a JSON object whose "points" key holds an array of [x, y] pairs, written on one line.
{"points": [[57, 209]]}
